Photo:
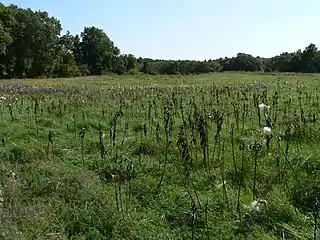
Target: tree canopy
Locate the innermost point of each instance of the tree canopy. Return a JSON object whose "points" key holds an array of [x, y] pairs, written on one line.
{"points": [[31, 46]]}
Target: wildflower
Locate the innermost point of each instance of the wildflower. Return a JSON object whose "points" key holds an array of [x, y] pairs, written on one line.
{"points": [[257, 206], [3, 98], [220, 185], [267, 130], [103, 135], [262, 106], [13, 175], [209, 116]]}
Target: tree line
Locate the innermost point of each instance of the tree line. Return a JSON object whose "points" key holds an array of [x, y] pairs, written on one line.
{"points": [[31, 46]]}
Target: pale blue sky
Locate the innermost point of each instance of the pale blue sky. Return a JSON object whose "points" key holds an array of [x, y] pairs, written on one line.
{"points": [[192, 29]]}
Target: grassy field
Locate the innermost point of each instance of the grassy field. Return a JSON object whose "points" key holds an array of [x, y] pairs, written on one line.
{"points": [[162, 157]]}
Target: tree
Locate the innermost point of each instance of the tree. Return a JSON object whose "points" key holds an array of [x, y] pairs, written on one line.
{"points": [[243, 62], [145, 67], [307, 58], [97, 50], [283, 62], [29, 42], [168, 67], [119, 64], [31, 46], [67, 65], [5, 41], [131, 62]]}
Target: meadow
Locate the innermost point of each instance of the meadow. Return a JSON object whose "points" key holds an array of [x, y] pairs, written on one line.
{"points": [[219, 156]]}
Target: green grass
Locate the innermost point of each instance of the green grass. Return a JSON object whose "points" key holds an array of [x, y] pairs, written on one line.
{"points": [[162, 157]]}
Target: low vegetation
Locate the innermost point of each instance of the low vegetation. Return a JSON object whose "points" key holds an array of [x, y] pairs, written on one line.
{"points": [[223, 156]]}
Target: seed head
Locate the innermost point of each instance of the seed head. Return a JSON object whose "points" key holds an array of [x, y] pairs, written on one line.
{"points": [[263, 106], [257, 206], [267, 130]]}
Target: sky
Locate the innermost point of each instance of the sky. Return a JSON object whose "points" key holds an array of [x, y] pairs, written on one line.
{"points": [[191, 29]]}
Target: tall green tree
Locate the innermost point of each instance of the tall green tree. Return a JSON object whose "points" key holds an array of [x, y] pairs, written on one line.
{"points": [[33, 38], [97, 50], [131, 61], [5, 40], [244, 62], [31, 46], [67, 65]]}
